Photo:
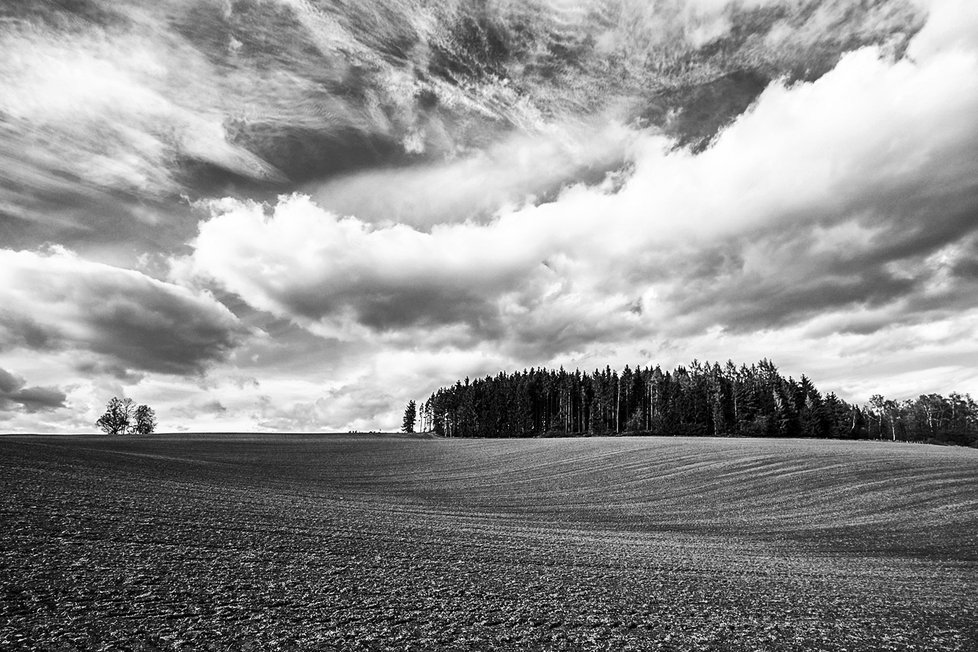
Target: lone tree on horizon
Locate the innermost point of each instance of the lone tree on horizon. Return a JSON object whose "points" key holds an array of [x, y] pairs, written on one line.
{"points": [[123, 417], [410, 416]]}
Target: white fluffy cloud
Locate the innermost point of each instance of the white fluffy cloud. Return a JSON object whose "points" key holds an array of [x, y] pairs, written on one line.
{"points": [[857, 165], [837, 213], [951, 25], [343, 278]]}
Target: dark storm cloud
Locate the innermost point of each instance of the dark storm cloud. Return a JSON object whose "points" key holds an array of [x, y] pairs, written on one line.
{"points": [[58, 302], [14, 394]]}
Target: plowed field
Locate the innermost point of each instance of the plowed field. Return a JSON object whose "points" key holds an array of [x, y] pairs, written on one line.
{"points": [[228, 542]]}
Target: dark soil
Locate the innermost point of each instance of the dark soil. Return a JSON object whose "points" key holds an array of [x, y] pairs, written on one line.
{"points": [[242, 542]]}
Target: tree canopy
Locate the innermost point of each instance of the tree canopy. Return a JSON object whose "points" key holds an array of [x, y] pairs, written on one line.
{"points": [[410, 416], [123, 417], [701, 399]]}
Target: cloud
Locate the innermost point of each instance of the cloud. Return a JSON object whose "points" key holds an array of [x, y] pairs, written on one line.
{"points": [[951, 25], [14, 393], [826, 195], [155, 101], [518, 170], [480, 186], [391, 111], [56, 300], [354, 407], [369, 395], [116, 108], [841, 207], [344, 278]]}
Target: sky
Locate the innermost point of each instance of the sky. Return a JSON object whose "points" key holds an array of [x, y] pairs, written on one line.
{"points": [[297, 215]]}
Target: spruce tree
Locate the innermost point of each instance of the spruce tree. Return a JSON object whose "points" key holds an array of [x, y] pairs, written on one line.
{"points": [[410, 416]]}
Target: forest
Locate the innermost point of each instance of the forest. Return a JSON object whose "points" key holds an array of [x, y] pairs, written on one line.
{"points": [[701, 400]]}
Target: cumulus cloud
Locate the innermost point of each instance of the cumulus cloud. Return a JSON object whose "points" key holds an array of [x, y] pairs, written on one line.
{"points": [[827, 194], [836, 210], [951, 25], [15, 394], [55, 301], [343, 277]]}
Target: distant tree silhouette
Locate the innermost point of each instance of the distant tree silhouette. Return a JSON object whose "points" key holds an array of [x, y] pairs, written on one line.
{"points": [[123, 417], [410, 416], [701, 399], [145, 420], [118, 416]]}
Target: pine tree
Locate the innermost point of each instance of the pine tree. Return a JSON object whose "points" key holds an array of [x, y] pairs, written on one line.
{"points": [[410, 416], [701, 399]]}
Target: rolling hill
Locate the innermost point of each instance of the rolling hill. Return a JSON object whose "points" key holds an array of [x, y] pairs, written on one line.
{"points": [[383, 542]]}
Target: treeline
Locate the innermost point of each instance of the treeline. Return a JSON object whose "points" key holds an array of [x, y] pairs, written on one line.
{"points": [[701, 400]]}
